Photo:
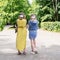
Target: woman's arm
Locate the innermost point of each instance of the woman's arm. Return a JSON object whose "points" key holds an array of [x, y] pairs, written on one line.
{"points": [[27, 26], [16, 27]]}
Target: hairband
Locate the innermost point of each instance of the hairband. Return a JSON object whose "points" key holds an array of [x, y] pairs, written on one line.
{"points": [[21, 16]]}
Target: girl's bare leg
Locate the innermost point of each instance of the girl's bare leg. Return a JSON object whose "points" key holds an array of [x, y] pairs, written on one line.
{"points": [[34, 42], [35, 50], [32, 46]]}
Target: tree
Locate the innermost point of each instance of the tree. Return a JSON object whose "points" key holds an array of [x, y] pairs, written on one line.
{"points": [[55, 7], [3, 4], [10, 9], [14, 7], [48, 10]]}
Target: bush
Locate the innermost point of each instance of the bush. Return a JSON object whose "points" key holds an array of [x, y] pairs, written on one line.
{"points": [[2, 20], [51, 26], [2, 24]]}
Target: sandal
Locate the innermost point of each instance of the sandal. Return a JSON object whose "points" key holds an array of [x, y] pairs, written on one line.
{"points": [[19, 53], [35, 52], [24, 53]]}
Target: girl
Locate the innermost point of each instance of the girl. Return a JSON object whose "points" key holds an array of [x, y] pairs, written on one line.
{"points": [[21, 34], [33, 26]]}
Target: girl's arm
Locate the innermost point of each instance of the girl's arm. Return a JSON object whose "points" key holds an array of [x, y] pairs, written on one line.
{"points": [[38, 24]]}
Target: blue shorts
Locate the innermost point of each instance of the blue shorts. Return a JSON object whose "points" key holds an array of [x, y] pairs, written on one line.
{"points": [[32, 34]]}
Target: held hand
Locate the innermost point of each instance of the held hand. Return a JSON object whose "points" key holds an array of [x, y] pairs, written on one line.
{"points": [[27, 26]]}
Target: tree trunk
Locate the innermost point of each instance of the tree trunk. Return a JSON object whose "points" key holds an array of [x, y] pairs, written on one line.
{"points": [[55, 2], [56, 11]]}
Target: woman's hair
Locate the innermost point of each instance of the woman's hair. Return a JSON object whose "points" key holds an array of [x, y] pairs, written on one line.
{"points": [[32, 15], [23, 16]]}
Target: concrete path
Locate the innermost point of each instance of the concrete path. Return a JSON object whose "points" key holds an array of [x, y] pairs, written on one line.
{"points": [[48, 45]]}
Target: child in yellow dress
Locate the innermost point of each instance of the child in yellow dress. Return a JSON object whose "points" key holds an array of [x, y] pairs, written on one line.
{"points": [[21, 34]]}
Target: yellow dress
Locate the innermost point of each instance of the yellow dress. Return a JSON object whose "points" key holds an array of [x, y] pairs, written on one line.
{"points": [[21, 35]]}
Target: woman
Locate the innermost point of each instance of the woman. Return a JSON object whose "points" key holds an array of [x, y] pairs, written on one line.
{"points": [[21, 34]]}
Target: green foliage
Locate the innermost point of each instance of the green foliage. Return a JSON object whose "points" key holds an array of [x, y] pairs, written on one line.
{"points": [[58, 8], [10, 9], [59, 11], [14, 7], [51, 26], [3, 4], [47, 17], [34, 7], [48, 10], [45, 11]]}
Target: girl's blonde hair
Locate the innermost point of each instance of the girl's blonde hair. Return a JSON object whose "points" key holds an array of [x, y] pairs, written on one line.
{"points": [[32, 15]]}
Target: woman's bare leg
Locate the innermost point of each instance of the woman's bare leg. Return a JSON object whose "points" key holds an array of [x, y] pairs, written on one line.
{"points": [[24, 52], [19, 53]]}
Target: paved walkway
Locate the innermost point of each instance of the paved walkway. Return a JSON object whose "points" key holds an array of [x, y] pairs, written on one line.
{"points": [[48, 45]]}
